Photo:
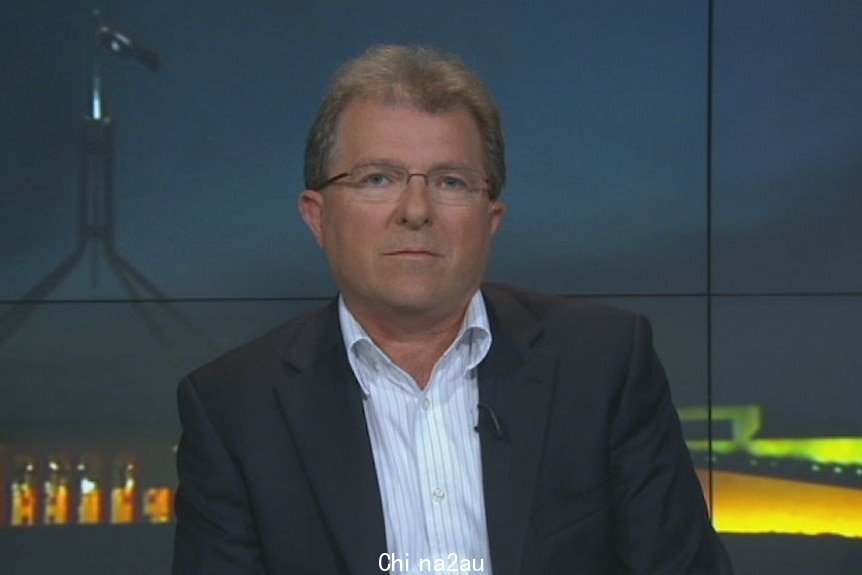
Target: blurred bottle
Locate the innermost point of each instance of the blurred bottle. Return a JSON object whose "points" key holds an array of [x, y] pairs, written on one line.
{"points": [[24, 494], [160, 476], [57, 509], [159, 505], [90, 491], [124, 490]]}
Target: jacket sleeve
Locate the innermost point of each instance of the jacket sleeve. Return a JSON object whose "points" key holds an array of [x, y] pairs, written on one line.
{"points": [[215, 532], [661, 518]]}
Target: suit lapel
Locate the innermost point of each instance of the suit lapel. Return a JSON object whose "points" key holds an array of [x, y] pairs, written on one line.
{"points": [[516, 382], [322, 405]]}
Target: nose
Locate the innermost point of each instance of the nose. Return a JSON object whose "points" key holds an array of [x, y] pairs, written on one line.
{"points": [[422, 175], [416, 207]]}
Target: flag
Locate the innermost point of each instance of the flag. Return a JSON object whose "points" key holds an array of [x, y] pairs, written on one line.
{"points": [[119, 43]]}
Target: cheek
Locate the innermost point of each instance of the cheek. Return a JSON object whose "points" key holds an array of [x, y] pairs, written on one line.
{"points": [[472, 238], [349, 230]]}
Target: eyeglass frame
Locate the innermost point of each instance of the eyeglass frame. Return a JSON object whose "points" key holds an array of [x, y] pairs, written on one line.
{"points": [[407, 176]]}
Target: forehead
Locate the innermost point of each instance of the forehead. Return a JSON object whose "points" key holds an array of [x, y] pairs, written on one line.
{"points": [[369, 129]]}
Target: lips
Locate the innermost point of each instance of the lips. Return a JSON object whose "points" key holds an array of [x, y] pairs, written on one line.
{"points": [[412, 252]]}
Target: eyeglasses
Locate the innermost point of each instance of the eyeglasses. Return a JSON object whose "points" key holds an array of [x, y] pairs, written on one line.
{"points": [[386, 182]]}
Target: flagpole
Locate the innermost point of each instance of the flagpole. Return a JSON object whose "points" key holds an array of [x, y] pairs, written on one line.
{"points": [[96, 216], [96, 101]]}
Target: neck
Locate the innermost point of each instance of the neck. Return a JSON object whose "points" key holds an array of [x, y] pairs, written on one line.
{"points": [[415, 344]]}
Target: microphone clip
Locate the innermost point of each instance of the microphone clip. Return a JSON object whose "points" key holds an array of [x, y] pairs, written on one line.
{"points": [[489, 420]]}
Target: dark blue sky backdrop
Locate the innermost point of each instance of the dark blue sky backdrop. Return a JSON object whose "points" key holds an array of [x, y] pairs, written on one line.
{"points": [[605, 112]]}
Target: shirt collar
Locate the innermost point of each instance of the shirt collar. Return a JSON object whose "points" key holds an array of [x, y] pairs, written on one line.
{"points": [[475, 332]]}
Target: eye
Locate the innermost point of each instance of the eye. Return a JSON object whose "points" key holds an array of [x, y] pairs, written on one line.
{"points": [[375, 180], [451, 182], [375, 177]]}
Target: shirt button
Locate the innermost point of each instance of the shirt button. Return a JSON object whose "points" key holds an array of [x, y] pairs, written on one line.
{"points": [[426, 404], [438, 495]]}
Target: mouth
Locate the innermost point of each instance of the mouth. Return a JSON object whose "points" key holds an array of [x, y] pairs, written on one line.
{"points": [[412, 252], [419, 253]]}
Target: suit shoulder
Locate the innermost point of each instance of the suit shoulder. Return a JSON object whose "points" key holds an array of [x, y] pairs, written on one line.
{"points": [[553, 309], [250, 360], [564, 323]]}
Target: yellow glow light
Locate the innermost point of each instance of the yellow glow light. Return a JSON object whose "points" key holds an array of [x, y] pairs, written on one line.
{"points": [[745, 421], [754, 504]]}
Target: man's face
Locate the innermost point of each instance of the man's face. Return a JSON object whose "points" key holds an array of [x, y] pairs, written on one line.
{"points": [[412, 257]]}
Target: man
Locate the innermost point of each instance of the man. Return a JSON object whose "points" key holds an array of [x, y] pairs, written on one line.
{"points": [[419, 423]]}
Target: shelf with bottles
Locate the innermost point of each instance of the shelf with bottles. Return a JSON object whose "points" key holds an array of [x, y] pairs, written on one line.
{"points": [[97, 483]]}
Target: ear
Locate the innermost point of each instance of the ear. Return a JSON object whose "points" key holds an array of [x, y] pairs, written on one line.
{"points": [[498, 210], [311, 206]]}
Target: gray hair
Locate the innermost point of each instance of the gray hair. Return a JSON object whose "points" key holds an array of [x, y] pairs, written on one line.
{"points": [[417, 75]]}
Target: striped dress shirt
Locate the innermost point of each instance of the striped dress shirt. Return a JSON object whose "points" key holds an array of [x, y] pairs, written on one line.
{"points": [[426, 452]]}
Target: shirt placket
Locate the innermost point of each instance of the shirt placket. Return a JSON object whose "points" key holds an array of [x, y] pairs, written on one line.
{"points": [[436, 473]]}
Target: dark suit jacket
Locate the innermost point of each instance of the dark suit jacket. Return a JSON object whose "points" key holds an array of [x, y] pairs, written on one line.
{"points": [[592, 477]]}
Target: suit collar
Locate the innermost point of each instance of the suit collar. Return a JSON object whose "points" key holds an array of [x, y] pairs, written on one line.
{"points": [[316, 337], [319, 334]]}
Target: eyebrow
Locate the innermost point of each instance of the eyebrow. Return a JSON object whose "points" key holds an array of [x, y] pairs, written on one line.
{"points": [[379, 162], [393, 163]]}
